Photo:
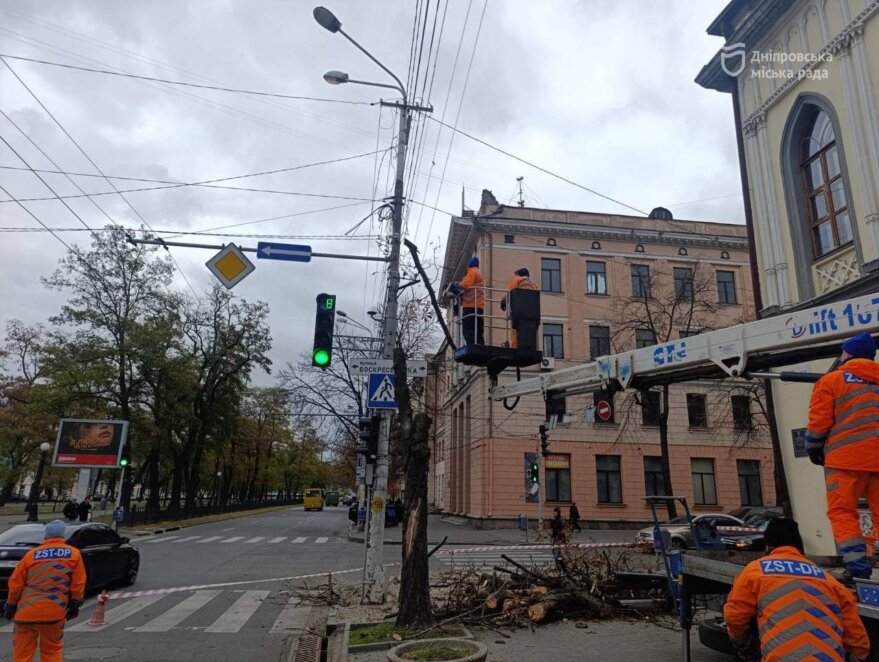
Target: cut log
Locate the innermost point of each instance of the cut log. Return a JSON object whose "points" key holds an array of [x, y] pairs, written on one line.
{"points": [[540, 611], [495, 600], [511, 604], [539, 590]]}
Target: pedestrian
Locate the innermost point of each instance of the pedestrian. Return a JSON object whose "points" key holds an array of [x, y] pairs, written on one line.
{"points": [[557, 527], [45, 589], [69, 511], [574, 517], [842, 437], [84, 509], [521, 281], [802, 612], [473, 304]]}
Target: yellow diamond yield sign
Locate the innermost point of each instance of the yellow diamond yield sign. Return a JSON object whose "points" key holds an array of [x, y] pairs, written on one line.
{"points": [[230, 265]]}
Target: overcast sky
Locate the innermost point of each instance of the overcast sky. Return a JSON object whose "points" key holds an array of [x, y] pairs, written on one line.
{"points": [[599, 91]]}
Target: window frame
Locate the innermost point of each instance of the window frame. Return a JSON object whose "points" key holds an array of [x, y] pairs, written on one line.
{"points": [[729, 297], [647, 400], [739, 424], [640, 282], [683, 286], [750, 480], [554, 485], [596, 327], [548, 286], [606, 475], [655, 475], [600, 280], [692, 398], [643, 341], [561, 340], [701, 475]]}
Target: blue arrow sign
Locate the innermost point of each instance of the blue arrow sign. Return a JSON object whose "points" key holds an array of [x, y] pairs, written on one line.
{"points": [[290, 252]]}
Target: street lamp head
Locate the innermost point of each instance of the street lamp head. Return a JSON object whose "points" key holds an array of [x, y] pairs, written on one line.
{"points": [[341, 313], [45, 446], [219, 474], [372, 313], [336, 77], [326, 19]]}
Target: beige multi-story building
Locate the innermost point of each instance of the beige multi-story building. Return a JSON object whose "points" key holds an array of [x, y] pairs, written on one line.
{"points": [[804, 80], [608, 283]]}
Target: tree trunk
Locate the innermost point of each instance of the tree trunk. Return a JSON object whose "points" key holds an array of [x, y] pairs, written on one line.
{"points": [[664, 452], [176, 483], [153, 481]]}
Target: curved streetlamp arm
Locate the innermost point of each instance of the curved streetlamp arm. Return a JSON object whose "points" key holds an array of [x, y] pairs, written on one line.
{"points": [[366, 82], [399, 85]]}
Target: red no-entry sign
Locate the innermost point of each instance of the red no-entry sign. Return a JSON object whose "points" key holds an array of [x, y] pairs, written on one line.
{"points": [[604, 411]]}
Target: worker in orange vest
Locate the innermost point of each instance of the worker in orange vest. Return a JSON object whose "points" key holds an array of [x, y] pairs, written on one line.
{"points": [[473, 304], [843, 437], [45, 589], [802, 612], [521, 280]]}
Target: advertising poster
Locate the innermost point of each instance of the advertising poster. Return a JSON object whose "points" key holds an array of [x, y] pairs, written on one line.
{"points": [[89, 443]]}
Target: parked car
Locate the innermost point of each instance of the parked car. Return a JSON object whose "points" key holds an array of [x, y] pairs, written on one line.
{"points": [[745, 512], [332, 499], [753, 542], [679, 529], [110, 559]]}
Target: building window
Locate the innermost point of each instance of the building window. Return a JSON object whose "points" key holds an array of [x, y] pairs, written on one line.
{"points": [[558, 477], [704, 489], [741, 413], [749, 482], [553, 343], [650, 408], [599, 341], [829, 222], [654, 484], [550, 275], [599, 397], [683, 283], [689, 333], [697, 415], [644, 338], [509, 239], [610, 479], [640, 281], [726, 287], [596, 278]]}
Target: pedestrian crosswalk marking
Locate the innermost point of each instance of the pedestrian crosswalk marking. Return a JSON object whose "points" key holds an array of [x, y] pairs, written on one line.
{"points": [[300, 539], [179, 613], [253, 540], [117, 614], [210, 539], [276, 540], [233, 539], [166, 538], [199, 540], [321, 540], [294, 616], [188, 539], [239, 613]]}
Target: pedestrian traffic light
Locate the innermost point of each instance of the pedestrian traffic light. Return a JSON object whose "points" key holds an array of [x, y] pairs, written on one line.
{"points": [[125, 458], [535, 472], [544, 441], [368, 431], [322, 354]]}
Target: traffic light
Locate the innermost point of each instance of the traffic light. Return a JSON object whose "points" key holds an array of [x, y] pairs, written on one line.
{"points": [[322, 354], [125, 458], [368, 435], [535, 472], [544, 441]]}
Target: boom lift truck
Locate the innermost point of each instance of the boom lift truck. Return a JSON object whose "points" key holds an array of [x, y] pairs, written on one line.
{"points": [[747, 351]]}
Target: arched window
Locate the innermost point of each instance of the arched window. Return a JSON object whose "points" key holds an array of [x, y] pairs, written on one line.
{"points": [[824, 188]]}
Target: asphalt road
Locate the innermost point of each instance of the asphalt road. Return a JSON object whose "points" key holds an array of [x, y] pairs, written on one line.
{"points": [[218, 620]]}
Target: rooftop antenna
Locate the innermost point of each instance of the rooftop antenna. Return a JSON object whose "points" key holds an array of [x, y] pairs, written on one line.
{"points": [[521, 194]]}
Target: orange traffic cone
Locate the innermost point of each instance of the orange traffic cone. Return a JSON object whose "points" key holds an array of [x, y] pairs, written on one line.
{"points": [[100, 608]]}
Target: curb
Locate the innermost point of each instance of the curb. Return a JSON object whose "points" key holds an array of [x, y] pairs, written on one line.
{"points": [[399, 543]]}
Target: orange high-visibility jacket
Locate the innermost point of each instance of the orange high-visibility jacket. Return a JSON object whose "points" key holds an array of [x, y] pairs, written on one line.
{"points": [[521, 282], [473, 295], [844, 416], [802, 612], [45, 581]]}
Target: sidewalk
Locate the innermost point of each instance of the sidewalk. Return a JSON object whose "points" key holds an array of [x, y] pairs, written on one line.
{"points": [[462, 534]]}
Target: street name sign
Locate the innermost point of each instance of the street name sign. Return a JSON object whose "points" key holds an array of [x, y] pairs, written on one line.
{"points": [[266, 250], [386, 367]]}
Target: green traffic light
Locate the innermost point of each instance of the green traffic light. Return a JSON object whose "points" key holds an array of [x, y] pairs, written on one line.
{"points": [[321, 357], [123, 462]]}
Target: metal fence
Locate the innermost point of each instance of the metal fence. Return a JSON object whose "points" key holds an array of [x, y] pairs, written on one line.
{"points": [[152, 515]]}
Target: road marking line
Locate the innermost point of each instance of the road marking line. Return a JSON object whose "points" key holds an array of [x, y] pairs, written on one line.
{"points": [[155, 540], [293, 617], [117, 614], [233, 539], [253, 540], [278, 539], [321, 540], [299, 540], [188, 539], [178, 613], [211, 539], [231, 528], [239, 613]]}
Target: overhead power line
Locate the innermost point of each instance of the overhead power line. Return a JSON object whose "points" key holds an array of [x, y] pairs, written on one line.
{"points": [[219, 88], [339, 237]]}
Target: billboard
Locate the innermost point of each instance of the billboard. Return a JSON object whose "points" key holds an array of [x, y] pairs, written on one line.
{"points": [[86, 443]]}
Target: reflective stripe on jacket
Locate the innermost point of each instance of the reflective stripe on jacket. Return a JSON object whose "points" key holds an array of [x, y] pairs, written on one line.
{"points": [[45, 581], [473, 285], [521, 283], [844, 416], [802, 612]]}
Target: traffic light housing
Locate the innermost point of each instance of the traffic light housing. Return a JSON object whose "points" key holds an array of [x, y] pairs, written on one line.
{"points": [[544, 441], [368, 430], [534, 474], [125, 457], [322, 353]]}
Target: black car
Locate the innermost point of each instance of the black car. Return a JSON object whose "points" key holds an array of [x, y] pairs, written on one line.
{"points": [[758, 518], [110, 560]]}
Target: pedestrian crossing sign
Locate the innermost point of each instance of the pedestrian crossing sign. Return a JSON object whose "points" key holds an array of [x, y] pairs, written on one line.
{"points": [[381, 392]]}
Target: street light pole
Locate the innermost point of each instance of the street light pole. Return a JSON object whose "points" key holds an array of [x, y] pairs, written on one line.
{"points": [[33, 503]]}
